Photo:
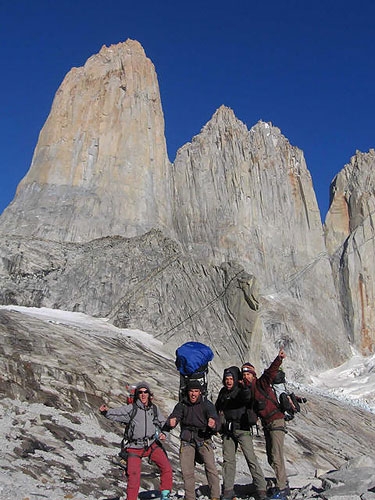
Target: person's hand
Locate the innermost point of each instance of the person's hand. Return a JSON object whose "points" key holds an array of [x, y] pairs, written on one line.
{"points": [[211, 423], [282, 353], [103, 408], [173, 422], [162, 437]]}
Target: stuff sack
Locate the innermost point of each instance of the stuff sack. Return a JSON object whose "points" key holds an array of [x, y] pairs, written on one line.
{"points": [[131, 394], [192, 360], [192, 357]]}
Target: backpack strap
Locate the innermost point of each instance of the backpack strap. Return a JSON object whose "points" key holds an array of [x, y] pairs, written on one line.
{"points": [[155, 419], [127, 437]]}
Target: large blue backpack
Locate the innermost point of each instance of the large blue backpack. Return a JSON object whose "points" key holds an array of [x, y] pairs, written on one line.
{"points": [[192, 360]]}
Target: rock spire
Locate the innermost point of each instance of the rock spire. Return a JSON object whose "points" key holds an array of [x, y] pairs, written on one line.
{"points": [[350, 238], [100, 166]]}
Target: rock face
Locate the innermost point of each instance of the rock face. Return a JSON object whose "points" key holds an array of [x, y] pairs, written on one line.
{"points": [[352, 199], [100, 166], [227, 243], [249, 197], [245, 190], [137, 283], [350, 238]]}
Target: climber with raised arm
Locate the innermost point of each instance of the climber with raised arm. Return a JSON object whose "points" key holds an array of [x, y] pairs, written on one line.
{"points": [[272, 418]]}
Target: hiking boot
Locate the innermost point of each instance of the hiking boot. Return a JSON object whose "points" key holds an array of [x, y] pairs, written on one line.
{"points": [[228, 495], [261, 495], [281, 494]]}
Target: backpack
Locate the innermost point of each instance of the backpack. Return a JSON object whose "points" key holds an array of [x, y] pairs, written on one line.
{"points": [[201, 376], [288, 402], [131, 393], [192, 360]]}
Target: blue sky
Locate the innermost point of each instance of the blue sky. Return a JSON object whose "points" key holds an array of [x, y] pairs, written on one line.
{"points": [[307, 67]]}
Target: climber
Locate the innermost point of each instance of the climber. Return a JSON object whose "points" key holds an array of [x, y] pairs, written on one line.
{"points": [[142, 439], [232, 405], [272, 419], [198, 420]]}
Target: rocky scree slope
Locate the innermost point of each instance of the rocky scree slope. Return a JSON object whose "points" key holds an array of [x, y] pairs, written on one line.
{"points": [[55, 372]]}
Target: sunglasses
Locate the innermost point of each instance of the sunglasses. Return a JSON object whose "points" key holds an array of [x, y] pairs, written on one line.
{"points": [[143, 392]]}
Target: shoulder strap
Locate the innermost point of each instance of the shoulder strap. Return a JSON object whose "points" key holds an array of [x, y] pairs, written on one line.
{"points": [[267, 396], [133, 412], [183, 409], [252, 400], [275, 394], [205, 407], [155, 412], [128, 425]]}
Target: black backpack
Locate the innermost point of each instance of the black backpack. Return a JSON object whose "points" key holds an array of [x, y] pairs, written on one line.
{"points": [[201, 376], [288, 402]]}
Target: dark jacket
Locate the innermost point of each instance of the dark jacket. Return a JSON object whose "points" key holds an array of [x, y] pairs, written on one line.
{"points": [[268, 408], [193, 419], [233, 404]]}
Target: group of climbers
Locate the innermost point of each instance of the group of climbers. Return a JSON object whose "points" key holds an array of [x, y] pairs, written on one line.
{"points": [[241, 401]]}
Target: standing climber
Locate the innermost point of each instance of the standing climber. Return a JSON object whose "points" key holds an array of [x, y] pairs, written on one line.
{"points": [[143, 423], [232, 405], [198, 421], [272, 419]]}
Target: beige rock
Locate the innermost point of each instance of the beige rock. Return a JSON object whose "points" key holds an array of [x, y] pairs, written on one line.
{"points": [[249, 198], [100, 166], [352, 199], [359, 282], [233, 195], [349, 231]]}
